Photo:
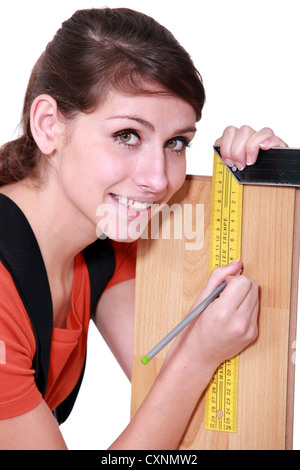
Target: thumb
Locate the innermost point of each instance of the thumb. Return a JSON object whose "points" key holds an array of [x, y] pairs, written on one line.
{"points": [[221, 274]]}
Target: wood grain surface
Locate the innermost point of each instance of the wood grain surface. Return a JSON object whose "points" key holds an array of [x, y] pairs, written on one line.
{"points": [[171, 272]]}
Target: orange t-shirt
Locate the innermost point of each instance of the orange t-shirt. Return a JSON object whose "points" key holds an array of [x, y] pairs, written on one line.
{"points": [[18, 391]]}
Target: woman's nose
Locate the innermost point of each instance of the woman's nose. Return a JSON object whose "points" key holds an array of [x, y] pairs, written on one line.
{"points": [[150, 173]]}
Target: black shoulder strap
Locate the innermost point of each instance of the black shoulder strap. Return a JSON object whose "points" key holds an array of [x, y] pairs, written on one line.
{"points": [[21, 256], [100, 260]]}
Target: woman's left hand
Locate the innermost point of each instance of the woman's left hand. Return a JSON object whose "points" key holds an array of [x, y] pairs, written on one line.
{"points": [[240, 147]]}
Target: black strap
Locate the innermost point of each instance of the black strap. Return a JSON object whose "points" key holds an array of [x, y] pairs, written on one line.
{"points": [[100, 261], [21, 256]]}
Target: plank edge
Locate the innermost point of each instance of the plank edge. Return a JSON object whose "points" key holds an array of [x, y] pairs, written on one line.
{"points": [[293, 325]]}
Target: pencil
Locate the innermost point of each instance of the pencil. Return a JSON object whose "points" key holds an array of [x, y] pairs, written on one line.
{"points": [[190, 317]]}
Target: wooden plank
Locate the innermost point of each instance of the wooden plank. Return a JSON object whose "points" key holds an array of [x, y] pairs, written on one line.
{"points": [[293, 324], [169, 278]]}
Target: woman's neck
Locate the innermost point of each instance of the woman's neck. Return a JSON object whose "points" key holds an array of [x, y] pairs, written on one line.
{"points": [[60, 231]]}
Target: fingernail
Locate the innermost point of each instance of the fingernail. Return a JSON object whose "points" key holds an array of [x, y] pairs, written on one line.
{"points": [[236, 261], [229, 162], [249, 160], [264, 144], [239, 166]]}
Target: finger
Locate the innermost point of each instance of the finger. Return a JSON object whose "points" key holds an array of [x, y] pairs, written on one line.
{"points": [[219, 275], [238, 146], [273, 141], [251, 300], [225, 144], [236, 292], [232, 145], [263, 139], [248, 313]]}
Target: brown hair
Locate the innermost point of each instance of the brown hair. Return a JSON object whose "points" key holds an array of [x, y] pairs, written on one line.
{"points": [[97, 50]]}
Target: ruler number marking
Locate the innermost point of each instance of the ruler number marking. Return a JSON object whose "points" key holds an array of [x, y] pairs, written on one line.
{"points": [[225, 245]]}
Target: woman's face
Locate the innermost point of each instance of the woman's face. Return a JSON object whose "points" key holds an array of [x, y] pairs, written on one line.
{"points": [[123, 159]]}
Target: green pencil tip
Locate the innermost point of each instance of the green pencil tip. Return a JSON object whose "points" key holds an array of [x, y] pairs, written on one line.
{"points": [[145, 360]]}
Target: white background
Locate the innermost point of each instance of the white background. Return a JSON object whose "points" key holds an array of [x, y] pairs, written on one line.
{"points": [[248, 55]]}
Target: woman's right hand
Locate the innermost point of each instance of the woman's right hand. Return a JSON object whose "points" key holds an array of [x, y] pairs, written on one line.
{"points": [[227, 326]]}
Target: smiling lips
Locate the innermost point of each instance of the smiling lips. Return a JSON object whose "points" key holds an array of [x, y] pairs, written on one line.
{"points": [[137, 205]]}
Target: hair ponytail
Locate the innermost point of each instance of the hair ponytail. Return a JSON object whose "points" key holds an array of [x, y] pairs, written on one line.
{"points": [[18, 159]]}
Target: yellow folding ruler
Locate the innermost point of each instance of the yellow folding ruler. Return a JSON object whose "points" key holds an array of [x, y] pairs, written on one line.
{"points": [[225, 246]]}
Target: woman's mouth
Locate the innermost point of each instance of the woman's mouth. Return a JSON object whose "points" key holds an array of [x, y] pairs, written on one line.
{"points": [[131, 203]]}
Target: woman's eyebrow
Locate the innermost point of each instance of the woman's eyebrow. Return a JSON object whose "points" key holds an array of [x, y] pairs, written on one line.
{"points": [[186, 130], [136, 119], [150, 126]]}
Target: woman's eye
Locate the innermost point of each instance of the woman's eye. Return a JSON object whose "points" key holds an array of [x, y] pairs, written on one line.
{"points": [[178, 144], [171, 144], [127, 137]]}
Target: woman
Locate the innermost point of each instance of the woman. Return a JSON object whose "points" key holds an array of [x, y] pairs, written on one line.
{"points": [[110, 108]]}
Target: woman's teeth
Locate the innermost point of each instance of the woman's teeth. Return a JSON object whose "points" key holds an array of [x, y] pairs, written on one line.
{"points": [[139, 206]]}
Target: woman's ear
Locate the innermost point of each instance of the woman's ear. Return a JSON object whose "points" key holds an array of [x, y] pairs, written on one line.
{"points": [[43, 117]]}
